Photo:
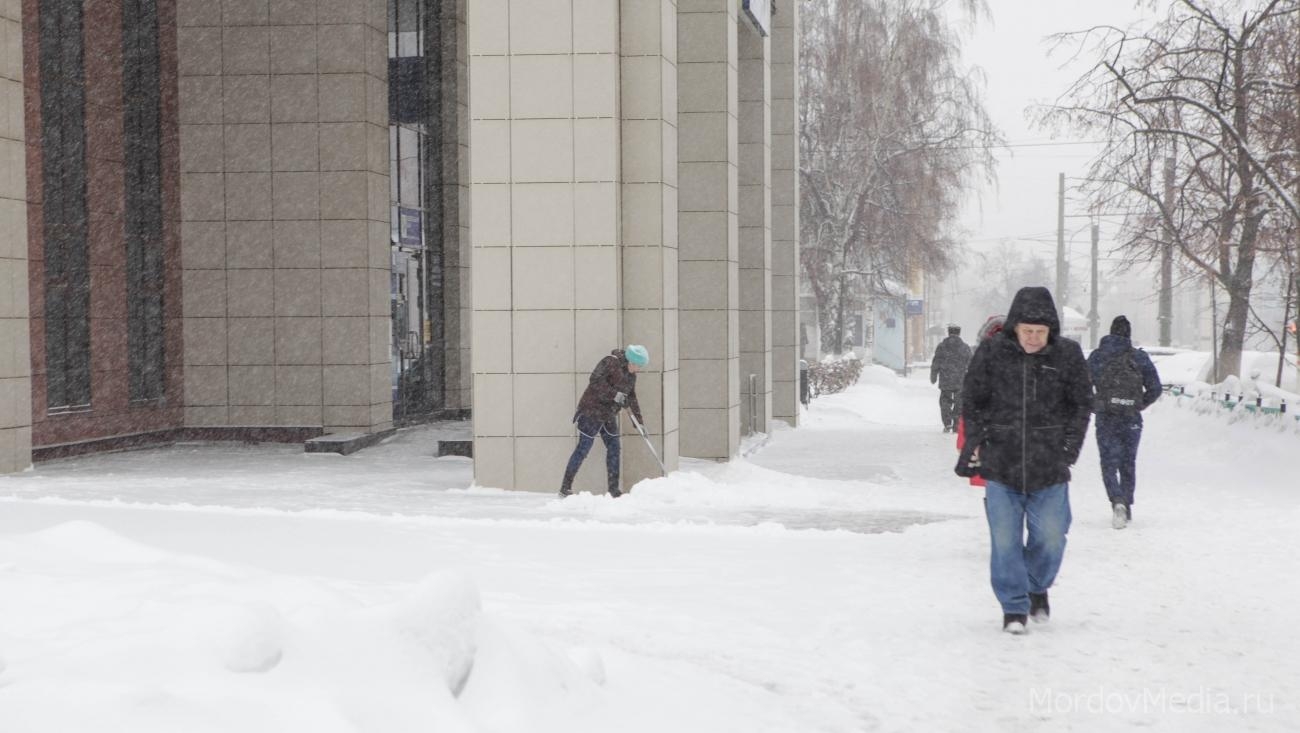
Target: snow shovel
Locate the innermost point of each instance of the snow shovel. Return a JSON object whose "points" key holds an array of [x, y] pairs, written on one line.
{"points": [[648, 444]]}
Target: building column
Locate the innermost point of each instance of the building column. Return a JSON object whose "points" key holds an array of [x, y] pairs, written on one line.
{"points": [[573, 223], [15, 354], [546, 272], [648, 212], [708, 257], [755, 226], [285, 217], [458, 309], [785, 212]]}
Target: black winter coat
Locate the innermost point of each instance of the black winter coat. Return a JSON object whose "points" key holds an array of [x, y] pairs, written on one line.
{"points": [[610, 377], [1028, 413], [949, 364]]}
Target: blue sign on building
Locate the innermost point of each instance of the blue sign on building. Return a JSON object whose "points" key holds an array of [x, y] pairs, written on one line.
{"points": [[915, 307]]}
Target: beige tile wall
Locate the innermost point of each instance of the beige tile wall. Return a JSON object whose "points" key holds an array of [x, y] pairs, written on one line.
{"points": [[284, 204], [785, 212], [708, 266], [15, 339], [755, 215], [573, 219], [648, 102]]}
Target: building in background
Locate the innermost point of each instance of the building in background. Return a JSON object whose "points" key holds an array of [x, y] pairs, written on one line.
{"points": [[255, 219]]}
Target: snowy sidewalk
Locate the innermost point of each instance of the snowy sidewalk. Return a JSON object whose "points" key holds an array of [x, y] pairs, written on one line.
{"points": [[209, 588]]}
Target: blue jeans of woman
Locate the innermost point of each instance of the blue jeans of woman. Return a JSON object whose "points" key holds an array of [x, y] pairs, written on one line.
{"points": [[1020, 566], [588, 429]]}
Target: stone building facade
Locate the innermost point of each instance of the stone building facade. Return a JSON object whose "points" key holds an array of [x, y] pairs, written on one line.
{"points": [[276, 219], [633, 180]]}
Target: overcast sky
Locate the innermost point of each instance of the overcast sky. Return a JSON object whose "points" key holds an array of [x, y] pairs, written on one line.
{"points": [[1013, 51]]}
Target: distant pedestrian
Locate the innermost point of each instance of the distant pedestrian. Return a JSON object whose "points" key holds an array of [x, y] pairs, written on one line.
{"points": [[948, 368], [1026, 402], [991, 328], [1127, 383], [611, 388]]}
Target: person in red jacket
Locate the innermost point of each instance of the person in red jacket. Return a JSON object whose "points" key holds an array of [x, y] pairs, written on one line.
{"points": [[611, 388], [991, 328]]}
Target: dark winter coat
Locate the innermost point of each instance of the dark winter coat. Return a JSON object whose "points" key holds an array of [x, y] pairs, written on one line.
{"points": [[1028, 413], [949, 363], [610, 377], [1112, 347]]}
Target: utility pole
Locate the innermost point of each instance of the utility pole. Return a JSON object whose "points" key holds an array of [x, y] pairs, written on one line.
{"points": [[1167, 260], [1094, 319], [1286, 320], [1060, 247]]}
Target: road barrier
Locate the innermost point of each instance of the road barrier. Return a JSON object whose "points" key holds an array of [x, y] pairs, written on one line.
{"points": [[1240, 402]]}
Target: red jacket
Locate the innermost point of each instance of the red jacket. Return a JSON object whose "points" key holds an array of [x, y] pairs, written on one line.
{"points": [[961, 443]]}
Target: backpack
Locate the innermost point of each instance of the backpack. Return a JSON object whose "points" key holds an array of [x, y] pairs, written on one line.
{"points": [[1120, 389]]}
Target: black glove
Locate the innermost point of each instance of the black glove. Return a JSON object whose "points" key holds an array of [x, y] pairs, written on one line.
{"points": [[620, 398], [1072, 455], [968, 462]]}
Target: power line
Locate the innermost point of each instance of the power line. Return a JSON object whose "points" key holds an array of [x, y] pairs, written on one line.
{"points": [[982, 146]]}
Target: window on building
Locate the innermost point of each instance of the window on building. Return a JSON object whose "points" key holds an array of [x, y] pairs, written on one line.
{"points": [[64, 219], [142, 127]]}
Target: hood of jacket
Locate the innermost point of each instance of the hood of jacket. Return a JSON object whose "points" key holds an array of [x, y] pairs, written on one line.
{"points": [[1033, 305]]}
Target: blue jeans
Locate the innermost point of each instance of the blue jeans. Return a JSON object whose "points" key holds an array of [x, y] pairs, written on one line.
{"points": [[1117, 443], [1019, 567], [588, 429]]}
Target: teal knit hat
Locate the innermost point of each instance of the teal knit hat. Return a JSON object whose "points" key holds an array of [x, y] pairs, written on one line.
{"points": [[637, 354]]}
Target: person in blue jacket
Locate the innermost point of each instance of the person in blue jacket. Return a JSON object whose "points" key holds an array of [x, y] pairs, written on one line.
{"points": [[1126, 384]]}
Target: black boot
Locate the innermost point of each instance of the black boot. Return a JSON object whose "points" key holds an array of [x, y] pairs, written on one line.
{"points": [[1014, 623], [1038, 608]]}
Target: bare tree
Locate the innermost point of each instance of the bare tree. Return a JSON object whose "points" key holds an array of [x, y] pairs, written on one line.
{"points": [[1195, 109], [1002, 272], [891, 128]]}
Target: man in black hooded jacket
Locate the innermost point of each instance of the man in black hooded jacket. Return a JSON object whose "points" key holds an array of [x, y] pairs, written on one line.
{"points": [[1026, 402], [948, 368]]}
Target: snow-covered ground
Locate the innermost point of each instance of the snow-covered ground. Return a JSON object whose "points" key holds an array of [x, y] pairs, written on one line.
{"points": [[1259, 369], [833, 580]]}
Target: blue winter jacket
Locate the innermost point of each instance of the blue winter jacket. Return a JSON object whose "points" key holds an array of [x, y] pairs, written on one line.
{"points": [[1113, 346]]}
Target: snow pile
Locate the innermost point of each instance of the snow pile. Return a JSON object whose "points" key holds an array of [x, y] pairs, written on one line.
{"points": [[1177, 367], [113, 635], [1192, 369]]}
